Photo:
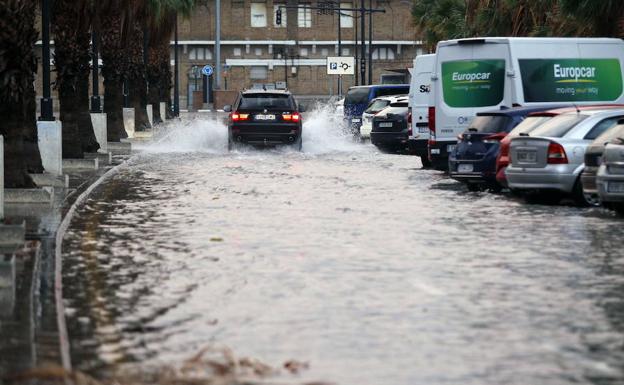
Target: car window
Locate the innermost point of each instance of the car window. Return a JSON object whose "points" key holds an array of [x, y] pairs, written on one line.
{"points": [[601, 127], [529, 124], [377, 105], [357, 96], [559, 125], [489, 124], [395, 110], [387, 91], [266, 100], [399, 104], [609, 135]]}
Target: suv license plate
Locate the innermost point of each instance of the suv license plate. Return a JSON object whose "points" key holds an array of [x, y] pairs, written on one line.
{"points": [[265, 117], [615, 187], [465, 168], [356, 120], [527, 156], [385, 124], [450, 148]]}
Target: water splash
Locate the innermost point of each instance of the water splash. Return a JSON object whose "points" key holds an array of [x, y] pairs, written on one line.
{"points": [[323, 132]]}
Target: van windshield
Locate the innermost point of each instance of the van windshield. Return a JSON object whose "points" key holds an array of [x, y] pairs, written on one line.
{"points": [[529, 124], [558, 126], [376, 105], [357, 96], [489, 124]]}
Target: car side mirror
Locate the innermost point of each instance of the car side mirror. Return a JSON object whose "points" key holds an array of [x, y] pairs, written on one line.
{"points": [[302, 108], [227, 108]]}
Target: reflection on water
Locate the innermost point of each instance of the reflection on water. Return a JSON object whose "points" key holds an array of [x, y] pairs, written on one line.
{"points": [[373, 271]]}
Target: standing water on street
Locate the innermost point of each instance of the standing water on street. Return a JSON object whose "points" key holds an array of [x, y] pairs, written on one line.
{"points": [[361, 264]]}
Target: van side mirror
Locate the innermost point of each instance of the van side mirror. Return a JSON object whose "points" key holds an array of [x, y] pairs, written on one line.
{"points": [[227, 108], [301, 108]]}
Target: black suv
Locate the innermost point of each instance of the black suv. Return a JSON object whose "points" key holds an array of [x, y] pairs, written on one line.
{"points": [[264, 118]]}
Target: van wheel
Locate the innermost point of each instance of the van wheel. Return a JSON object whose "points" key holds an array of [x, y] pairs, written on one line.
{"points": [[495, 187], [618, 207], [473, 187], [581, 198]]}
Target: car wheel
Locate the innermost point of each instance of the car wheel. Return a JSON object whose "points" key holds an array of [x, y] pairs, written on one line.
{"points": [[618, 207], [473, 187], [230, 145], [299, 144], [495, 188], [426, 163], [582, 199]]}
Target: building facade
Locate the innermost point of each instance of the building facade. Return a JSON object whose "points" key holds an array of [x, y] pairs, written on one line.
{"points": [[258, 50]]}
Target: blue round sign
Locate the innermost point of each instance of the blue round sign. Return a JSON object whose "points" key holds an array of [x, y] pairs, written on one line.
{"points": [[207, 70]]}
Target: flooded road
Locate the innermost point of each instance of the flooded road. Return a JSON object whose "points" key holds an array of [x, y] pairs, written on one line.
{"points": [[367, 267]]}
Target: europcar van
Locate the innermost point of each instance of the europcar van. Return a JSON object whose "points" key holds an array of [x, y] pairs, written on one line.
{"points": [[474, 75], [358, 98], [419, 102]]}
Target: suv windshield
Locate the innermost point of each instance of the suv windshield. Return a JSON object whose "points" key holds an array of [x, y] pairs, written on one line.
{"points": [[376, 106], [558, 126], [529, 124], [357, 96], [489, 124], [266, 100]]}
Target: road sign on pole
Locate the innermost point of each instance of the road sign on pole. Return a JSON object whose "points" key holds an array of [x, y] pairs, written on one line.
{"points": [[344, 65], [207, 70]]}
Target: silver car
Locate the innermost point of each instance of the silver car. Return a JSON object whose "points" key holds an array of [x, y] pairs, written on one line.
{"points": [[610, 177], [550, 161], [375, 106]]}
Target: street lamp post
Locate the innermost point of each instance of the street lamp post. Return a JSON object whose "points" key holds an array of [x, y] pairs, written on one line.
{"points": [[47, 113], [363, 42], [339, 49], [370, 43], [218, 44], [96, 102], [176, 72]]}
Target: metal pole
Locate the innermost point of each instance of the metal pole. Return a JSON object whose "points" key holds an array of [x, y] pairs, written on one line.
{"points": [[339, 49], [176, 73], [355, 49], [370, 43], [363, 42], [96, 102], [218, 43], [47, 113]]}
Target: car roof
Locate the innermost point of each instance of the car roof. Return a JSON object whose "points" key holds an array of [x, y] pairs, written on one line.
{"points": [[391, 98], [598, 111], [381, 86], [515, 111], [591, 107], [261, 91]]}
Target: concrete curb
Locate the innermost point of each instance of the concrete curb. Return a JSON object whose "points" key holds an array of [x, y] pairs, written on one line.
{"points": [[49, 180], [103, 158], [120, 148], [38, 195], [58, 274], [81, 164], [12, 237]]}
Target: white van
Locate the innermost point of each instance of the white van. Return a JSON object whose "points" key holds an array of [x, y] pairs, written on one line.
{"points": [[474, 75], [419, 102]]}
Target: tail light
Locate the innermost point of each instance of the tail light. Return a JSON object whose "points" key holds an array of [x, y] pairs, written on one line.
{"points": [[237, 117], [294, 117], [432, 122], [409, 123], [504, 149], [496, 138], [556, 154]]}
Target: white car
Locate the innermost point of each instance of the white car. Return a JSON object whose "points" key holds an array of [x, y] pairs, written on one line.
{"points": [[339, 105], [375, 106]]}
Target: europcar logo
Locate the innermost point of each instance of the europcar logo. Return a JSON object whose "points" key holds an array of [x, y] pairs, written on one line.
{"points": [[464, 78], [574, 74]]}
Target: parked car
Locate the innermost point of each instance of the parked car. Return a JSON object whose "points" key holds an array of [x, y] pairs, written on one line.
{"points": [[530, 123], [473, 161], [610, 177], [265, 118], [550, 161], [358, 97], [392, 127], [373, 108], [593, 158]]}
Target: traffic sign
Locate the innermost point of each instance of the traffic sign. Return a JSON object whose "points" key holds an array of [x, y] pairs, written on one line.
{"points": [[207, 70], [341, 65]]}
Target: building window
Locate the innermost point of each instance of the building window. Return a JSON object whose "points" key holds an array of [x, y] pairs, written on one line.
{"points": [[258, 51], [284, 13], [258, 15], [303, 52], [346, 52], [258, 72], [304, 16], [200, 53], [237, 51], [346, 19], [383, 53], [324, 52]]}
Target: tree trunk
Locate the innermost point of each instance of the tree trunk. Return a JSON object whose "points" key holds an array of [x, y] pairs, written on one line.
{"points": [[136, 78], [113, 107], [115, 66], [138, 100], [87, 134], [157, 74], [17, 95]]}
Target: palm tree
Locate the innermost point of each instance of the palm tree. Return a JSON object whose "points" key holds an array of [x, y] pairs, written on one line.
{"points": [[71, 25], [159, 59], [605, 17], [17, 94], [437, 20]]}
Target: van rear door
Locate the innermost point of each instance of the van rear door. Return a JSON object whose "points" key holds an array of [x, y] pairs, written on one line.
{"points": [[420, 96], [471, 77]]}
